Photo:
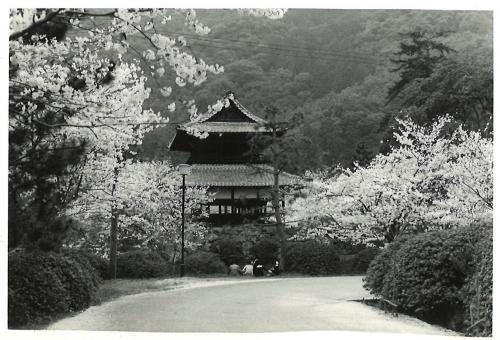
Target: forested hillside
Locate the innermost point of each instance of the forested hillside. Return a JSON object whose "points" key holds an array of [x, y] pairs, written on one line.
{"points": [[334, 67]]}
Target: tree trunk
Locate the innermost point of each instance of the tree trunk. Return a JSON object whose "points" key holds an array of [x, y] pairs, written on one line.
{"points": [[113, 237], [113, 244], [174, 257]]}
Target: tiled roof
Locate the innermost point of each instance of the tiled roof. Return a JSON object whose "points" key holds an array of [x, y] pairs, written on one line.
{"points": [[225, 127], [236, 175], [206, 123], [232, 99]]}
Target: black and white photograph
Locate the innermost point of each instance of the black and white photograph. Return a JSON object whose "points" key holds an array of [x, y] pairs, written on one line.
{"points": [[229, 170]]}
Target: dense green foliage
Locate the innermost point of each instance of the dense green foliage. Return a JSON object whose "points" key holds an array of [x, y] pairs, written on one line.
{"points": [[426, 275], [37, 223], [138, 264], [477, 292], [312, 258], [229, 251], [333, 67], [362, 260], [45, 285], [416, 59], [99, 264], [203, 262], [345, 247], [266, 251], [381, 265]]}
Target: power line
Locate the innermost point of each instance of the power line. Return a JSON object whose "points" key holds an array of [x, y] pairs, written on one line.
{"points": [[296, 54], [283, 47]]}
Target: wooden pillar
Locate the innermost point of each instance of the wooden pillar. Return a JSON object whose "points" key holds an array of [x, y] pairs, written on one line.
{"points": [[258, 203]]}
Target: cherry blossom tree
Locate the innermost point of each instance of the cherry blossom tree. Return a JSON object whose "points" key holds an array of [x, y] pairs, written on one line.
{"points": [[75, 100], [146, 198], [59, 101], [434, 178]]}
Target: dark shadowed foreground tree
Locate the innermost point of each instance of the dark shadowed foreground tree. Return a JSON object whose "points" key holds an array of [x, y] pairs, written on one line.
{"points": [[419, 53], [43, 175], [459, 87], [436, 81]]}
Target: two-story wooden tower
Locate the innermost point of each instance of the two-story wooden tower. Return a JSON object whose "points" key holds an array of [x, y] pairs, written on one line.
{"points": [[221, 161]]}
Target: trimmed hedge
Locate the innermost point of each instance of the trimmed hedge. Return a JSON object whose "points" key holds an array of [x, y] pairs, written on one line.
{"points": [[381, 265], [313, 258], [229, 251], [362, 260], [44, 285], [266, 251], [204, 262], [425, 274], [138, 264], [100, 264], [477, 292], [79, 279], [345, 247]]}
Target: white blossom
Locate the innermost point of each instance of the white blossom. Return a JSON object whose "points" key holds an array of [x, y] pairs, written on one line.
{"points": [[166, 91], [426, 182]]}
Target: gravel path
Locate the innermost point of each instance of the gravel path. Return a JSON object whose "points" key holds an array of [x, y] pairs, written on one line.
{"points": [[267, 305]]}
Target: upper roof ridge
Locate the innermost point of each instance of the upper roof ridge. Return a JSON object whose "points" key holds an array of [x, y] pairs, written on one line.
{"points": [[232, 98]]}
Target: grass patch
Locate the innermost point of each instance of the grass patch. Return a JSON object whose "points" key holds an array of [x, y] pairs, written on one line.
{"points": [[112, 289]]}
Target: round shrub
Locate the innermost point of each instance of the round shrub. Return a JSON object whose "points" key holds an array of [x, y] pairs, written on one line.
{"points": [[429, 273], [229, 251], [424, 274], [477, 292], [100, 264], [139, 264], [80, 280], [363, 259], [313, 258], [43, 285], [204, 262], [266, 251], [36, 291], [381, 265]]}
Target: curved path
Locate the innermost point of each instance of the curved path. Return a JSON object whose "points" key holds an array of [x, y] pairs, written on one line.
{"points": [[269, 305]]}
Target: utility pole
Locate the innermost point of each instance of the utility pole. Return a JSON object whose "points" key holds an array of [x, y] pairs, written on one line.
{"points": [[184, 169]]}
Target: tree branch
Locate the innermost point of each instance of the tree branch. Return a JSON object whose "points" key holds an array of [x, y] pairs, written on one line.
{"points": [[35, 24]]}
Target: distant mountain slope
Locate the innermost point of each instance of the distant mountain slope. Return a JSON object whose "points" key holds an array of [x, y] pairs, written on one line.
{"points": [[331, 65]]}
